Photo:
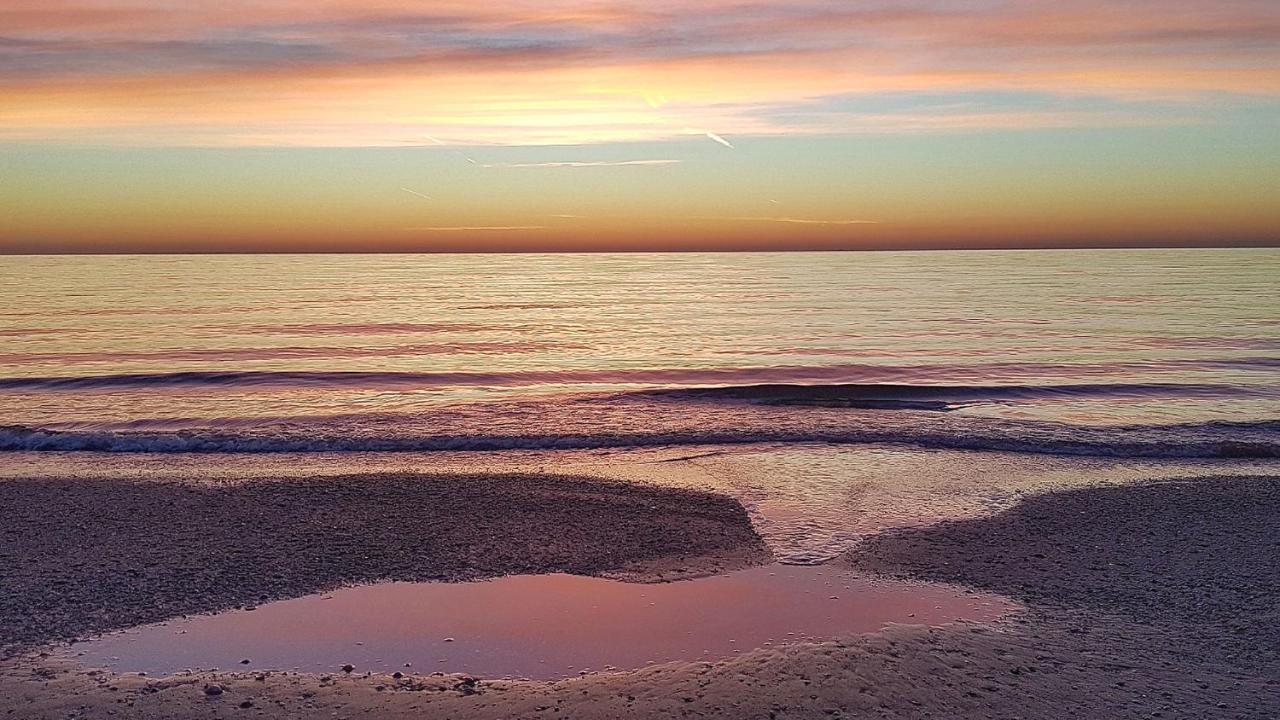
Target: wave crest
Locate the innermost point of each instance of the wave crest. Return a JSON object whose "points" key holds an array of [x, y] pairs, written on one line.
{"points": [[1204, 440], [899, 379]]}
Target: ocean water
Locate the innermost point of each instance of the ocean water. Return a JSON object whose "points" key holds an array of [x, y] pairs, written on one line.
{"points": [[833, 394], [1143, 353]]}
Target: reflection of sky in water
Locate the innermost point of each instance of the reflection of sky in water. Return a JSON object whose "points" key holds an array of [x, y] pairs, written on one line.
{"points": [[539, 626], [510, 326]]}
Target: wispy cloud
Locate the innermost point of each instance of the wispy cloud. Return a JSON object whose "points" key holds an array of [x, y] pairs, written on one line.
{"points": [[577, 164], [559, 72]]}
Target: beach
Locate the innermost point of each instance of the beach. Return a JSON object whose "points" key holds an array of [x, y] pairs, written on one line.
{"points": [[612, 359], [775, 485], [1155, 599]]}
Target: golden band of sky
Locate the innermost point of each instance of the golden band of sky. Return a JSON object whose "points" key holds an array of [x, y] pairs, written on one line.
{"points": [[620, 124]]}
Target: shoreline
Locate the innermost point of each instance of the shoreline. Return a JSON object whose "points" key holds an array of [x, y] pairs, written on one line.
{"points": [[1151, 600]]}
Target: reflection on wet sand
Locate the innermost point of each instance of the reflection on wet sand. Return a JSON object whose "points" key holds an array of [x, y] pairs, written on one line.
{"points": [[538, 626]]}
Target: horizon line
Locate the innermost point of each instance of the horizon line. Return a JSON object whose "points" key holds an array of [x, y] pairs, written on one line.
{"points": [[1269, 244]]}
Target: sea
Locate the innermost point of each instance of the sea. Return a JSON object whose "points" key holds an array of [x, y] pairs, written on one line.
{"points": [[834, 382]]}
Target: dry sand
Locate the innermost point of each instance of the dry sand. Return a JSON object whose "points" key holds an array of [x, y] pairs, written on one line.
{"points": [[1156, 600]]}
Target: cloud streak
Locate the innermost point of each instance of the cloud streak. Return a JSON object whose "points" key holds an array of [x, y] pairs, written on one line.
{"points": [[577, 164], [797, 221], [719, 139], [384, 73]]}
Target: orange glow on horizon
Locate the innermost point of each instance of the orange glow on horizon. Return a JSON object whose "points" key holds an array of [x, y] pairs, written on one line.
{"points": [[1009, 123]]}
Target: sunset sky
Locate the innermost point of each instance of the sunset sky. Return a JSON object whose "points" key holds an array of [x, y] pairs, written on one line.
{"points": [[349, 125]]}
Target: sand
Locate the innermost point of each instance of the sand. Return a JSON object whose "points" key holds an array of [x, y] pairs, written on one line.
{"points": [[1200, 558], [1156, 600], [81, 556]]}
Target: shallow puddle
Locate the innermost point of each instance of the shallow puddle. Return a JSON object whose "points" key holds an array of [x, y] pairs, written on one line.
{"points": [[537, 626]]}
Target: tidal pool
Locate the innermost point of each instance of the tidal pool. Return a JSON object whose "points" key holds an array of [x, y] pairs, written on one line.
{"points": [[538, 626]]}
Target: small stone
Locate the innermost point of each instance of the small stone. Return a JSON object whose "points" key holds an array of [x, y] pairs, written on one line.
{"points": [[348, 668], [448, 639], [246, 704], [212, 690], [244, 661], [397, 675]]}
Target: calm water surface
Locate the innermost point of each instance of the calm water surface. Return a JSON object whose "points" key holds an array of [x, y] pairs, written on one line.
{"points": [[423, 352], [544, 626]]}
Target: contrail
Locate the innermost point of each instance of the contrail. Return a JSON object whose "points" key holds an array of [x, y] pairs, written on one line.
{"points": [[415, 192], [720, 140]]}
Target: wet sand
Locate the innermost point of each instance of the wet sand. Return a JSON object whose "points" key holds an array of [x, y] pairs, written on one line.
{"points": [[1154, 600], [81, 556], [1199, 559]]}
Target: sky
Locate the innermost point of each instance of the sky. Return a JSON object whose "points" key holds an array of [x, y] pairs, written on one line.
{"points": [[442, 125]]}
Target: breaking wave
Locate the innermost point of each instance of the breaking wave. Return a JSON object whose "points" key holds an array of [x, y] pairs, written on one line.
{"points": [[889, 395], [685, 426], [902, 379]]}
